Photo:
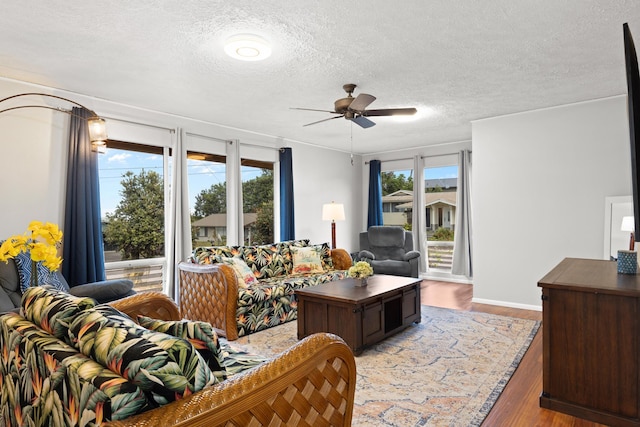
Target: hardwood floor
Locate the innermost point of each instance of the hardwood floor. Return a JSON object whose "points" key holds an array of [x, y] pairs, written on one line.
{"points": [[518, 403]]}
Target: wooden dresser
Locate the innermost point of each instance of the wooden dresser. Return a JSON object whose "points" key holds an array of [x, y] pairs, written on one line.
{"points": [[591, 342]]}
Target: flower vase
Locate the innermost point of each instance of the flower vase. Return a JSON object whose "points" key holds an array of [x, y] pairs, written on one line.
{"points": [[361, 281], [34, 274]]}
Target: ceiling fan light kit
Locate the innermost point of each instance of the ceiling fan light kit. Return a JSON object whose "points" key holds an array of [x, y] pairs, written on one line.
{"points": [[354, 109]]}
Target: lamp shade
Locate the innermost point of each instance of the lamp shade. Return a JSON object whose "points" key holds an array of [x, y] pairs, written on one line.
{"points": [[97, 130], [627, 224], [333, 212]]}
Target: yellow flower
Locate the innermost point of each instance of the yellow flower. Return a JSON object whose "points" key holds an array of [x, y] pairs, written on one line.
{"points": [[48, 231], [40, 251], [11, 247]]}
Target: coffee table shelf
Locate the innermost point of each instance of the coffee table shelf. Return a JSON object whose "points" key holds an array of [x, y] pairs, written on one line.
{"points": [[362, 316]]}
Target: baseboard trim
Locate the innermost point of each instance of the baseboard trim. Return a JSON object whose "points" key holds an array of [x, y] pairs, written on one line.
{"points": [[447, 278], [507, 304]]}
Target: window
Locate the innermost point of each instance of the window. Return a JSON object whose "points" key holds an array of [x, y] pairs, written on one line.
{"points": [[440, 206], [207, 198], [397, 197], [133, 190], [257, 201]]}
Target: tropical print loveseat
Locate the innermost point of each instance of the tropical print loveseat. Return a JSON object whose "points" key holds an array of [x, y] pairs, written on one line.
{"points": [[244, 289], [67, 361]]}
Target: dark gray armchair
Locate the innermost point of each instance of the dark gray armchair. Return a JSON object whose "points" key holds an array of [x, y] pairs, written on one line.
{"points": [[106, 291], [389, 250]]}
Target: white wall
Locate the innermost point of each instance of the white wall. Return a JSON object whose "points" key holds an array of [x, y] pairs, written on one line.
{"points": [[540, 180], [323, 176], [32, 165], [33, 156]]}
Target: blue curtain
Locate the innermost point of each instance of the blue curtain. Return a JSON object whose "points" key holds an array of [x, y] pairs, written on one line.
{"points": [[374, 216], [287, 223], [83, 253]]}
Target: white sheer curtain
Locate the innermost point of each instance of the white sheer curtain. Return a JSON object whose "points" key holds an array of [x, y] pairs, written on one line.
{"points": [[419, 218], [235, 222], [462, 248], [179, 224]]}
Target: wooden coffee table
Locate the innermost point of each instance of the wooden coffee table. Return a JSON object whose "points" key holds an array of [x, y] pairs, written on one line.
{"points": [[362, 316]]}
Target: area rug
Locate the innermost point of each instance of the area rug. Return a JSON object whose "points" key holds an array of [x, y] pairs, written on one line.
{"points": [[448, 370]]}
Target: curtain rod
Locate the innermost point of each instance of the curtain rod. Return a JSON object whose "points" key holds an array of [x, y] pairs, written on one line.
{"points": [[259, 146], [422, 157], [230, 141], [213, 138], [171, 130]]}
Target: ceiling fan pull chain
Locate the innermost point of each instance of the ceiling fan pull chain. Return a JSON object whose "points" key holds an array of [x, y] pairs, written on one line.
{"points": [[351, 143]]}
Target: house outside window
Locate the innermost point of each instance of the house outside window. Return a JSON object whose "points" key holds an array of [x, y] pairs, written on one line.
{"points": [[440, 203]]}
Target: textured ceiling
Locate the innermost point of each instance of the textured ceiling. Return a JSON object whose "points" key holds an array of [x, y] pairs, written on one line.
{"points": [[464, 60]]}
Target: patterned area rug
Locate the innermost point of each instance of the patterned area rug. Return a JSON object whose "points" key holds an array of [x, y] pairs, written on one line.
{"points": [[446, 371]]}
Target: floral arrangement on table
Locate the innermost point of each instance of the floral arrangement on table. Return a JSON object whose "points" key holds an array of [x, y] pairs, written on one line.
{"points": [[360, 270], [41, 241]]}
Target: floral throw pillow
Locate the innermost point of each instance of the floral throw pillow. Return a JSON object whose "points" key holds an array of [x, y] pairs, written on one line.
{"points": [[265, 261], [325, 255], [244, 274], [52, 309], [306, 260], [200, 334], [166, 367]]}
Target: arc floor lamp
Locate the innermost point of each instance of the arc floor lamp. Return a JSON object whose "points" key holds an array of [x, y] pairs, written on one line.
{"points": [[96, 124]]}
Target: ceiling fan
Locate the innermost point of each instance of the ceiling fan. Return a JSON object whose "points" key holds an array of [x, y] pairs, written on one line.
{"points": [[354, 109]]}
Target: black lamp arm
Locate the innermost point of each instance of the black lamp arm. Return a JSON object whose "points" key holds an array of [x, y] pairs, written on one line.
{"points": [[62, 110], [43, 106]]}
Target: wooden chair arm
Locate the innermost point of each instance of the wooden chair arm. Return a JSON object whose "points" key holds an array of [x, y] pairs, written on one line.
{"points": [[209, 292], [151, 304], [312, 383], [341, 259]]}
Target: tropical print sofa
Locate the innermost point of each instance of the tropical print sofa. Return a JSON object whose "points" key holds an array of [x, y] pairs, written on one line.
{"points": [[245, 289], [66, 361]]}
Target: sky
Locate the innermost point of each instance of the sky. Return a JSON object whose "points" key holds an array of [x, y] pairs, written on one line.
{"points": [[115, 163], [202, 174]]}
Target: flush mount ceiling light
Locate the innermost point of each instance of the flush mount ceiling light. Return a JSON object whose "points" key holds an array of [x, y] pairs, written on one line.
{"points": [[247, 47]]}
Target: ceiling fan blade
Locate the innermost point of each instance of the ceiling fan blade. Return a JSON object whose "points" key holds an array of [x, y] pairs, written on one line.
{"points": [[390, 112], [363, 122], [313, 109], [361, 102], [324, 120]]}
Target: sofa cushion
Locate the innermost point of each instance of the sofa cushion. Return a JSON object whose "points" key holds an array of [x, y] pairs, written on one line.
{"points": [[45, 276], [272, 301], [285, 251], [200, 334], [104, 291], [237, 361], [10, 284], [212, 254], [325, 256], [306, 260], [265, 260], [52, 309], [59, 383], [241, 269], [167, 368]]}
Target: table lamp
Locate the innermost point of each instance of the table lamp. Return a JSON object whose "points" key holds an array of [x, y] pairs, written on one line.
{"points": [[333, 212]]}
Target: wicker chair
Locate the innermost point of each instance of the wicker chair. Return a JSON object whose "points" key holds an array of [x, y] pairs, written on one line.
{"points": [[310, 384], [218, 282]]}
